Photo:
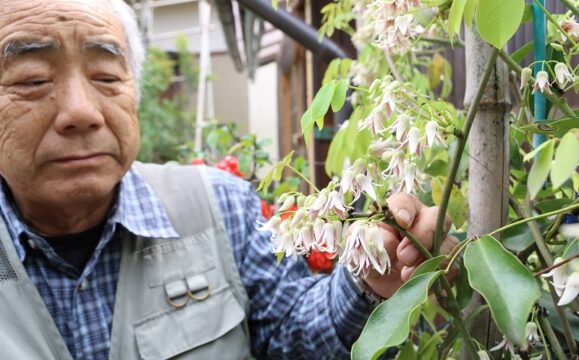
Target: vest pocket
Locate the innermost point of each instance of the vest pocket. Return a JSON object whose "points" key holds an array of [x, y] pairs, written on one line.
{"points": [[194, 331], [172, 260]]}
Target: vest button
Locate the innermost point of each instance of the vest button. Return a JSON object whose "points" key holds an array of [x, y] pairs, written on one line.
{"points": [[83, 285], [32, 244]]}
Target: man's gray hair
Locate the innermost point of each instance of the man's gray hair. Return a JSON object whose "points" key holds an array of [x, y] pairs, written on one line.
{"points": [[136, 49]]}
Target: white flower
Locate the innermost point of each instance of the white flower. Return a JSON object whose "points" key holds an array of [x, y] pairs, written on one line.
{"points": [[374, 121], [284, 243], [364, 249], [410, 179], [562, 74], [483, 355], [559, 275], [571, 290], [330, 234], [379, 147], [542, 83], [571, 27], [335, 203], [357, 182], [304, 241], [504, 344], [319, 204], [531, 333], [272, 225], [526, 74], [414, 141], [432, 134], [396, 166]]}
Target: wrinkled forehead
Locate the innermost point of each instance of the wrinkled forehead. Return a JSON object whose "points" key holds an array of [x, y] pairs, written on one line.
{"points": [[39, 15]]}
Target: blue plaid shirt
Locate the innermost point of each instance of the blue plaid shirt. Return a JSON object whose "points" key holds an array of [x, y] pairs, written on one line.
{"points": [[292, 314]]}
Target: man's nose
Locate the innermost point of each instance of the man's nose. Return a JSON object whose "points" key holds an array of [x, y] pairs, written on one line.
{"points": [[78, 109]]}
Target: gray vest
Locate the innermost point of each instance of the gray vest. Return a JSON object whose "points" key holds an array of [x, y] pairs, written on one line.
{"points": [[176, 299]]}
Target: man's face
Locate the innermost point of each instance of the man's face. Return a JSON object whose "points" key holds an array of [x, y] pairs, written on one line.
{"points": [[68, 125]]}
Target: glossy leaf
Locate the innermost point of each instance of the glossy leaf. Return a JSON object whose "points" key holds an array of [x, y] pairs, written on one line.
{"points": [[540, 170], [455, 18], [566, 160], [340, 93], [463, 289], [523, 51], [429, 265], [498, 20], [336, 154], [322, 101], [469, 12], [389, 323], [509, 288]]}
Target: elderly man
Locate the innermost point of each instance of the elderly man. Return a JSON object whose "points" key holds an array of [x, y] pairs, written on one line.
{"points": [[101, 257]]}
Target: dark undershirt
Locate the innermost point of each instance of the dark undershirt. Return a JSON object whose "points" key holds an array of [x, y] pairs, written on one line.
{"points": [[77, 249]]}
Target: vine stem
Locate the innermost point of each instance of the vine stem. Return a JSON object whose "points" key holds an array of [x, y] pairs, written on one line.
{"points": [[536, 217], [304, 178], [547, 269], [571, 7], [454, 310], [460, 149], [559, 102], [546, 327], [421, 248]]}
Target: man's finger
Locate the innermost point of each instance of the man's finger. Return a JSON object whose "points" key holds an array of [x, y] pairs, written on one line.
{"points": [[407, 253], [425, 224], [406, 273], [404, 207]]}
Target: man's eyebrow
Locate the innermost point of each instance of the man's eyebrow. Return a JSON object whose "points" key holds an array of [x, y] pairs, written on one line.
{"points": [[22, 47], [106, 47]]}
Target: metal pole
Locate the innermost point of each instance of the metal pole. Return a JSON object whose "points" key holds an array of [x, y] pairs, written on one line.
{"points": [[307, 36], [540, 108]]}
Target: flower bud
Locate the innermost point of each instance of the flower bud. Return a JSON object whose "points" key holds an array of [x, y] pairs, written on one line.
{"points": [[301, 201], [525, 76], [288, 203]]}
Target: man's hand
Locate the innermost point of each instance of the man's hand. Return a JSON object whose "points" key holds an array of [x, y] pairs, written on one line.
{"points": [[420, 221]]}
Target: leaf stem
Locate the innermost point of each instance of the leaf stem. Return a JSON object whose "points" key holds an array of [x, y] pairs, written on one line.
{"points": [[459, 248], [472, 110], [304, 178], [567, 209], [559, 102], [572, 7]]}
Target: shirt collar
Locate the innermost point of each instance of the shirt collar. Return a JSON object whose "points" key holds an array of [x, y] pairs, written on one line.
{"points": [[137, 208]]}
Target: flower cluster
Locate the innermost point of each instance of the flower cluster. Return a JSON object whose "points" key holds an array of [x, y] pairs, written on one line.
{"points": [[388, 23], [318, 225], [542, 83]]}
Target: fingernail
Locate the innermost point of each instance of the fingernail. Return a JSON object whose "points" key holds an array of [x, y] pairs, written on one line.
{"points": [[404, 218]]}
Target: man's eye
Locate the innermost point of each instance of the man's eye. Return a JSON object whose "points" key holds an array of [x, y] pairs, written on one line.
{"points": [[31, 83], [107, 79]]}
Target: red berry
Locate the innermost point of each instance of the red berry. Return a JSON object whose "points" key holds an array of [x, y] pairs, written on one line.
{"points": [[198, 161]]}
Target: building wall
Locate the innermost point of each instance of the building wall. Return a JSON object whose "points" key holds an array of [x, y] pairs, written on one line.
{"points": [[263, 106]]}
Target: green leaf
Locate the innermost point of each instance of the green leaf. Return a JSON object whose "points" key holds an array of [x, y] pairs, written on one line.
{"points": [[407, 352], [332, 71], [517, 238], [429, 265], [322, 100], [274, 4], [509, 288], [523, 51], [527, 14], [307, 122], [540, 170], [566, 160], [498, 20], [539, 148], [336, 154], [389, 323], [455, 18], [469, 12], [339, 97], [435, 70]]}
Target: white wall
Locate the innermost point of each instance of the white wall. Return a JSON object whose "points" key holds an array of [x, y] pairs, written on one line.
{"points": [[263, 109]]}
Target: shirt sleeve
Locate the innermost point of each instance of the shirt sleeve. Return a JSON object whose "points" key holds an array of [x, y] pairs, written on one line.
{"points": [[293, 314]]}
